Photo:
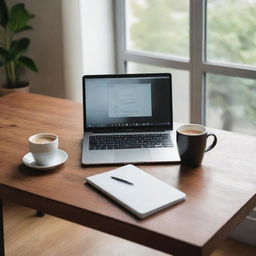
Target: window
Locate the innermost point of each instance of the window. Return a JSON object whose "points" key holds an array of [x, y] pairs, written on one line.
{"points": [[209, 46], [144, 33]]}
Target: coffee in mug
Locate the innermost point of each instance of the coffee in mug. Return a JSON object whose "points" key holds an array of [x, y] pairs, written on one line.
{"points": [[191, 132], [44, 148], [191, 142]]}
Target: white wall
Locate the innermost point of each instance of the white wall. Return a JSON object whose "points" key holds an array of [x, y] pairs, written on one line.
{"points": [[88, 33], [46, 47], [72, 41], [98, 36], [70, 38]]}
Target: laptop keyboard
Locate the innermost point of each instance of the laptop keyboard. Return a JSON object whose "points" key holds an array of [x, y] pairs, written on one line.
{"points": [[106, 142]]}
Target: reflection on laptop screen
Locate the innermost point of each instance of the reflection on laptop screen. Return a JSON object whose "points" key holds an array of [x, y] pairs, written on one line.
{"points": [[128, 101]]}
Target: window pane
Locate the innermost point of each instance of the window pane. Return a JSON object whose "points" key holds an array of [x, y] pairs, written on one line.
{"points": [[231, 103], [159, 26], [231, 33], [180, 88]]}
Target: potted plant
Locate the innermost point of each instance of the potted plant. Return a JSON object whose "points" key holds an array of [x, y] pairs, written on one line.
{"points": [[13, 21]]}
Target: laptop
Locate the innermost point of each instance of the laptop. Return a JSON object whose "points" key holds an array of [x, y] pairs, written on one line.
{"points": [[128, 119]]}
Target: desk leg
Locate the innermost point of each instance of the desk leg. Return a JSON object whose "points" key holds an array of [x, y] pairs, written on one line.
{"points": [[1, 229], [40, 214]]}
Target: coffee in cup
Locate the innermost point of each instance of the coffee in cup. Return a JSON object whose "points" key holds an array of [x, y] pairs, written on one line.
{"points": [[191, 142], [43, 139], [44, 148]]}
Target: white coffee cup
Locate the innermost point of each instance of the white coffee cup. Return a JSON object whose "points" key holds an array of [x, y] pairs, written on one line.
{"points": [[44, 148]]}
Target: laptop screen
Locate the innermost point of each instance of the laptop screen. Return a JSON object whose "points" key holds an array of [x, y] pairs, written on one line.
{"points": [[127, 101]]}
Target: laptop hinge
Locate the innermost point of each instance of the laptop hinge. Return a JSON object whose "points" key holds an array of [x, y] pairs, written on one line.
{"points": [[129, 130]]}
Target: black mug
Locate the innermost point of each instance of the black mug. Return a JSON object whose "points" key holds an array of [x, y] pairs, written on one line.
{"points": [[191, 142]]}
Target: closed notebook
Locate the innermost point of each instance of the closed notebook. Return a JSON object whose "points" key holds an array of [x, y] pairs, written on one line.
{"points": [[145, 196]]}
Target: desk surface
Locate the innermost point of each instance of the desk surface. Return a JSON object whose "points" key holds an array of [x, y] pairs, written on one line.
{"points": [[219, 194]]}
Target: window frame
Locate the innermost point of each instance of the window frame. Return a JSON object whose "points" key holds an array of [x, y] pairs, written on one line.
{"points": [[197, 64]]}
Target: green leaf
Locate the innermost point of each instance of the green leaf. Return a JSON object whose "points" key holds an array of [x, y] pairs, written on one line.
{"points": [[19, 18], [3, 13], [3, 53], [24, 28], [28, 63], [2, 63], [18, 47]]}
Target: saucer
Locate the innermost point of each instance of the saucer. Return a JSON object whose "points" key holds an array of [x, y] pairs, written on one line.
{"points": [[29, 161]]}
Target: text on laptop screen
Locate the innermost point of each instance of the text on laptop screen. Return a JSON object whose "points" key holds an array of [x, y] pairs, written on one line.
{"points": [[128, 102]]}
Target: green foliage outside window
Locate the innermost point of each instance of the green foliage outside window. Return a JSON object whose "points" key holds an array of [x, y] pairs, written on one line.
{"points": [[161, 26]]}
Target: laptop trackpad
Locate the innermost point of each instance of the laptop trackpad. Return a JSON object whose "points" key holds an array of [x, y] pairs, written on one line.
{"points": [[135, 155]]}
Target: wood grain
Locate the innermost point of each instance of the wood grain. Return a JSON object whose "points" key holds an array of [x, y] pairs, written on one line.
{"points": [[220, 193], [26, 234]]}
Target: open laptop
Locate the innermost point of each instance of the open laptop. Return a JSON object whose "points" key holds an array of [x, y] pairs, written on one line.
{"points": [[128, 119]]}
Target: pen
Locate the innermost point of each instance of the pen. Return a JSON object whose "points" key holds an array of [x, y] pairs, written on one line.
{"points": [[122, 180]]}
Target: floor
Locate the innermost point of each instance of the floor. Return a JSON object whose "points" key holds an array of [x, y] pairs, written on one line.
{"points": [[28, 235]]}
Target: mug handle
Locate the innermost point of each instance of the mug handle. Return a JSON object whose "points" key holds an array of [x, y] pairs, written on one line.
{"points": [[213, 143]]}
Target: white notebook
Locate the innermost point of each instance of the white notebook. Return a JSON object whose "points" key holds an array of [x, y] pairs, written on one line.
{"points": [[145, 196]]}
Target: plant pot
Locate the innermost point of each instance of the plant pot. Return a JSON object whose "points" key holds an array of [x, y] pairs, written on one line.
{"points": [[23, 87]]}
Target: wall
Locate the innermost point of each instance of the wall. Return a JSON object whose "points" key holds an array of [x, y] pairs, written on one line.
{"points": [[98, 36], [88, 33], [246, 230], [46, 46], [70, 38]]}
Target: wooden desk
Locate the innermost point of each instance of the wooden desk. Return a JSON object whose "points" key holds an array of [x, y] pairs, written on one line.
{"points": [[219, 194]]}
